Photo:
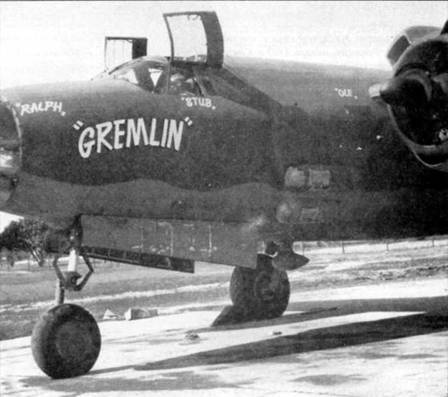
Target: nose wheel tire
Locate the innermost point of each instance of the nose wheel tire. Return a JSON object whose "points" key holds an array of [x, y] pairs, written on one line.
{"points": [[263, 293], [66, 341]]}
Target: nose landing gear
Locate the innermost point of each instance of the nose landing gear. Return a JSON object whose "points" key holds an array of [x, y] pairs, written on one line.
{"points": [[66, 341]]}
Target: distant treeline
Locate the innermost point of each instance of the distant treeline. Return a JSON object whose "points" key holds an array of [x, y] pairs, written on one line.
{"points": [[23, 238]]}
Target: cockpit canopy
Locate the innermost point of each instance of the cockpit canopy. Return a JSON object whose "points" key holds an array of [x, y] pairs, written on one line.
{"points": [[196, 43]]}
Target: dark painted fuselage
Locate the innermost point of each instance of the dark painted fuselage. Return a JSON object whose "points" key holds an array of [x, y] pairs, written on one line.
{"points": [[298, 149]]}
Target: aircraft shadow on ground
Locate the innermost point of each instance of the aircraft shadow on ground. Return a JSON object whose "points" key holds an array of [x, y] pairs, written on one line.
{"points": [[433, 319], [314, 310]]}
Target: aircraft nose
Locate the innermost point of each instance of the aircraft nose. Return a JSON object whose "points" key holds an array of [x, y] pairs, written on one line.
{"points": [[10, 150]]}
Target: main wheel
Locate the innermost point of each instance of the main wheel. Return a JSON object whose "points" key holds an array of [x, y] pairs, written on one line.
{"points": [[263, 292], [66, 341]]}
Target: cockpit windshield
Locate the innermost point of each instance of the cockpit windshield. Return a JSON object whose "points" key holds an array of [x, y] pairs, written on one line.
{"points": [[152, 74], [148, 73]]}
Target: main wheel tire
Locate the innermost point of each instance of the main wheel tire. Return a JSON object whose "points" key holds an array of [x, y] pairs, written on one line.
{"points": [[66, 341], [241, 292], [263, 292]]}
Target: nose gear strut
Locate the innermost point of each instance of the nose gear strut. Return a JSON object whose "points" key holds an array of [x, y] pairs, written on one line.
{"points": [[66, 341], [70, 279]]}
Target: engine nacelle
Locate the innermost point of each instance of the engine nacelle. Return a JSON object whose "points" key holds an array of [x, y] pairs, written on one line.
{"points": [[417, 95], [408, 37]]}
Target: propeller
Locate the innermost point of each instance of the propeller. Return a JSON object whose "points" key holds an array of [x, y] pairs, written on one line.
{"points": [[418, 92], [421, 68]]}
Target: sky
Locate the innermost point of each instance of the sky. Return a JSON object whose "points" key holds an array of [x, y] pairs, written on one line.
{"points": [[56, 41], [61, 41]]}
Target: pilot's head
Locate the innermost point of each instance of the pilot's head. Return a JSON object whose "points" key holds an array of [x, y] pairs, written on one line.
{"points": [[177, 82]]}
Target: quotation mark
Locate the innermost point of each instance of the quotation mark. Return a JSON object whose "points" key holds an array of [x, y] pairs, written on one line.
{"points": [[78, 125]]}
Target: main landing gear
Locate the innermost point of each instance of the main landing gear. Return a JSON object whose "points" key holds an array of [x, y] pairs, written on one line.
{"points": [[256, 294], [66, 340]]}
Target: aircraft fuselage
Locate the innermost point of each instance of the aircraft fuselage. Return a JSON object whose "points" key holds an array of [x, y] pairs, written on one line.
{"points": [[301, 146]]}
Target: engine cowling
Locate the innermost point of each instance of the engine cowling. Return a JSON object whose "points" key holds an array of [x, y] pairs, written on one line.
{"points": [[417, 98]]}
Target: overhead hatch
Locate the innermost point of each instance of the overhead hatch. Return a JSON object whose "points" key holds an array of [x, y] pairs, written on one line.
{"points": [[118, 50], [195, 37]]}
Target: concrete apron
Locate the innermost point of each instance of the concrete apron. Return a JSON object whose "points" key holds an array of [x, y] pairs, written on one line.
{"points": [[389, 339]]}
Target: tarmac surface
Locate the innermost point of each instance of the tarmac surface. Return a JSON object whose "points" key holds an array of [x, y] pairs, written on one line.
{"points": [[385, 339]]}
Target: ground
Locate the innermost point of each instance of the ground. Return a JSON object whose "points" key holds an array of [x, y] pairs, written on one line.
{"points": [[369, 322]]}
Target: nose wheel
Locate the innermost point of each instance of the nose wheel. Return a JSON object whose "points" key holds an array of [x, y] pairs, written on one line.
{"points": [[66, 341]]}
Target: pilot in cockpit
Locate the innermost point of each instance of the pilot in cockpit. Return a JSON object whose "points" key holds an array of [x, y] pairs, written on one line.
{"points": [[181, 85]]}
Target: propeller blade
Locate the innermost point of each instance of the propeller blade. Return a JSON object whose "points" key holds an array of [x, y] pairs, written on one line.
{"points": [[442, 81], [445, 28], [413, 88]]}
